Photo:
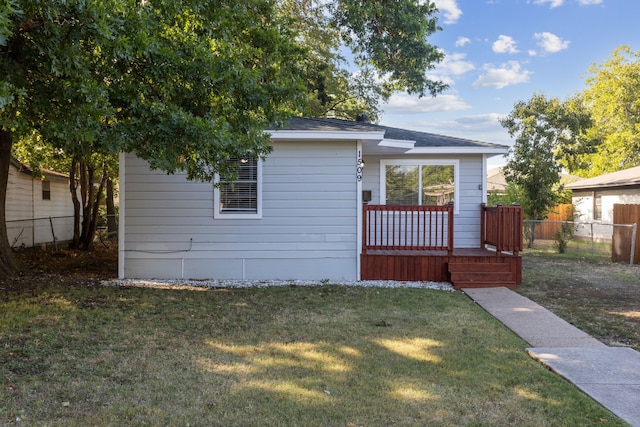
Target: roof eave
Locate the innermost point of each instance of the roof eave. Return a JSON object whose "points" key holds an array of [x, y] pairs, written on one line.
{"points": [[332, 135]]}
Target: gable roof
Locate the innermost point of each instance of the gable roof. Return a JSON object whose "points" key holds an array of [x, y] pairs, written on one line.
{"points": [[624, 178], [410, 140], [48, 174]]}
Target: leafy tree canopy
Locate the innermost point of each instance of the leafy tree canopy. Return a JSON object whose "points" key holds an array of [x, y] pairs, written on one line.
{"points": [[542, 128], [387, 40], [612, 100]]}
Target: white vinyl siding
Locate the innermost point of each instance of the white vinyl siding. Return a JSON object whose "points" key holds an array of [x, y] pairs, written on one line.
{"points": [[469, 195], [307, 230], [584, 204], [32, 220]]}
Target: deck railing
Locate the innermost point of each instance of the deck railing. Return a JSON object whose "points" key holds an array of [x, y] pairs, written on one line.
{"points": [[501, 227], [388, 227]]}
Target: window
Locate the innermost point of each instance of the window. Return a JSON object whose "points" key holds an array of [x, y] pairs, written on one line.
{"points": [[597, 206], [46, 190], [418, 182], [240, 197]]}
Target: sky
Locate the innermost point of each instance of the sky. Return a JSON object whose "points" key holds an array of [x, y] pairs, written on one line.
{"points": [[499, 52]]}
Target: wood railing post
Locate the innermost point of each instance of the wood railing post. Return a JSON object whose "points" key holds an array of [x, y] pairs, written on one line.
{"points": [[364, 228], [450, 230], [483, 221]]}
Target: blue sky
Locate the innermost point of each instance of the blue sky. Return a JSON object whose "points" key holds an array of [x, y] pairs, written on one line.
{"points": [[501, 51]]}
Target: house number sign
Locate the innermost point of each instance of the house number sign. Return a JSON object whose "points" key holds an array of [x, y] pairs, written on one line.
{"points": [[359, 166]]}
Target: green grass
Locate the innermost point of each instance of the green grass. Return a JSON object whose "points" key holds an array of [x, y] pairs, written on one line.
{"points": [[307, 356]]}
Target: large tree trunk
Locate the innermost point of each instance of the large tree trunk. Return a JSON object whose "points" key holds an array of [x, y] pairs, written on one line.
{"points": [[8, 263]]}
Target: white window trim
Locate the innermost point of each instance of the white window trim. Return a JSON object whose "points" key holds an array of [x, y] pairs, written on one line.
{"points": [[253, 215], [421, 162]]}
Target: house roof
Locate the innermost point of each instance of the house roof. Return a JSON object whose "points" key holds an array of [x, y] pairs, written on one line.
{"points": [[623, 178], [497, 183], [49, 174], [409, 140]]}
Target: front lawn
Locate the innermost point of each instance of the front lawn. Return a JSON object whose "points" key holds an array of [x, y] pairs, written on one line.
{"points": [[83, 354]]}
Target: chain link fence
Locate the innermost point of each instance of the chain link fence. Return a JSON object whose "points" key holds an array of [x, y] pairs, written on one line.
{"points": [[52, 231], [614, 242]]}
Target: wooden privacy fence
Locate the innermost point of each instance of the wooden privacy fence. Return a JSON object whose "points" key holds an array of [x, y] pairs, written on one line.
{"points": [[388, 227], [624, 240], [501, 226], [548, 229]]}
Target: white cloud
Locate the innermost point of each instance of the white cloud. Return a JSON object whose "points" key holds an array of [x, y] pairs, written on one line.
{"points": [[505, 44], [506, 75], [405, 104], [450, 9], [454, 64], [462, 41], [552, 3], [557, 3], [551, 43]]}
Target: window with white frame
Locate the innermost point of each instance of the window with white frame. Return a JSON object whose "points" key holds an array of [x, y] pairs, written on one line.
{"points": [[418, 182], [240, 196]]}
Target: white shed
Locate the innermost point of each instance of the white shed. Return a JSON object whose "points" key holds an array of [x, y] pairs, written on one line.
{"points": [[593, 200], [39, 210]]}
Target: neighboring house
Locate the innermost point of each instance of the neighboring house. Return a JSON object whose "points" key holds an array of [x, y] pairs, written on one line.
{"points": [[497, 184], [39, 209], [594, 198], [312, 209]]}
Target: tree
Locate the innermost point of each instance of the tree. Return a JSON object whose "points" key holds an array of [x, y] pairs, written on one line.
{"points": [[188, 84], [183, 84], [387, 41], [612, 100], [545, 132]]}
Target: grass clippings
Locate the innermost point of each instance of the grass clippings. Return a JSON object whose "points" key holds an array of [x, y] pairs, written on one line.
{"points": [[78, 355]]}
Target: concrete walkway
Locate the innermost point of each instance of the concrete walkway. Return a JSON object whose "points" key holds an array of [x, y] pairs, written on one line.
{"points": [[610, 375]]}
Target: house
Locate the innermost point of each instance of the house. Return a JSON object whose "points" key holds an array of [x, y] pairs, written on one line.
{"points": [[594, 198], [497, 183], [336, 200], [39, 209]]}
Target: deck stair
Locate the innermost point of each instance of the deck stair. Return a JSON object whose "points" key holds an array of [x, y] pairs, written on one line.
{"points": [[480, 275]]}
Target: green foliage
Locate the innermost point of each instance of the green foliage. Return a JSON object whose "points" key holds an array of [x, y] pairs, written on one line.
{"points": [[392, 38], [389, 45], [563, 236], [612, 100], [545, 131]]}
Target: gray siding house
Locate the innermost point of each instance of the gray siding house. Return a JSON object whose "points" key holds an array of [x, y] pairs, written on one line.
{"points": [[299, 213]]}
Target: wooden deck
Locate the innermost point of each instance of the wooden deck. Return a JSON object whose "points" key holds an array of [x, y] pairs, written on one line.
{"points": [[480, 267], [391, 258]]}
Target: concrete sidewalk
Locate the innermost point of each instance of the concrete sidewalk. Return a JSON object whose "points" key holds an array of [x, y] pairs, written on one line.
{"points": [[610, 375]]}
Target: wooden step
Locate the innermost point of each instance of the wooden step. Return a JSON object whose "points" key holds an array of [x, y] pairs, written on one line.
{"points": [[469, 266], [480, 275]]}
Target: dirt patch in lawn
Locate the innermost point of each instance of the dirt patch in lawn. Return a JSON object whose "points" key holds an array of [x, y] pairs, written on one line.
{"points": [[601, 298], [44, 267]]}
